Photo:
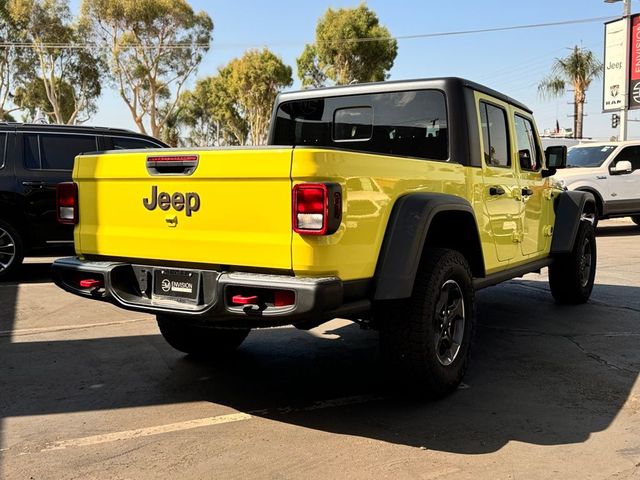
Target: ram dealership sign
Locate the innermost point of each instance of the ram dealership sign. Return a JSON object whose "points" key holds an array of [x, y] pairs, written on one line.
{"points": [[615, 65]]}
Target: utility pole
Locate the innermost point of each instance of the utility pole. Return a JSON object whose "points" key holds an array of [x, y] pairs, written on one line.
{"points": [[623, 112]]}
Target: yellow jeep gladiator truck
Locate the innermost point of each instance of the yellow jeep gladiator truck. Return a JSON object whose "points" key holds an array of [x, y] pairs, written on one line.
{"points": [[386, 203]]}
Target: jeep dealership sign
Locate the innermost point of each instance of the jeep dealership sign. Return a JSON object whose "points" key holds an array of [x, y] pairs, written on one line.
{"points": [[615, 65]]}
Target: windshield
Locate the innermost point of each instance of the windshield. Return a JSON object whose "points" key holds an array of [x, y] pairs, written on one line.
{"points": [[586, 157]]}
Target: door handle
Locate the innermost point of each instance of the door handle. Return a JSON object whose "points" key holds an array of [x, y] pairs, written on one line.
{"points": [[494, 191], [527, 192]]}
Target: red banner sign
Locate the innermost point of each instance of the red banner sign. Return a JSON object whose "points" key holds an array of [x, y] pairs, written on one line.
{"points": [[634, 66]]}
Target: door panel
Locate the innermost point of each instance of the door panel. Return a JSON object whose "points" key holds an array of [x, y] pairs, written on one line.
{"points": [[46, 161], [535, 202], [500, 185]]}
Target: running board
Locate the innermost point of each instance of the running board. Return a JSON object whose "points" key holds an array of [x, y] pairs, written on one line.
{"points": [[514, 272]]}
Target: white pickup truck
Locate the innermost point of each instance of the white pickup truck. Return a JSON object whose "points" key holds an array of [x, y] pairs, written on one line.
{"points": [[611, 172]]}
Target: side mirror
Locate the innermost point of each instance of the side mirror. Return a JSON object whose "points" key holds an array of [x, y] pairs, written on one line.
{"points": [[622, 167], [556, 157]]}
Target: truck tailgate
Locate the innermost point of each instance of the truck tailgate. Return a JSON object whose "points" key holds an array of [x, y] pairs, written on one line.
{"points": [[234, 209]]}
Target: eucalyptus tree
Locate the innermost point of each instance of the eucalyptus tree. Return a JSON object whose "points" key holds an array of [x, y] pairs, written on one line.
{"points": [[350, 46], [154, 47]]}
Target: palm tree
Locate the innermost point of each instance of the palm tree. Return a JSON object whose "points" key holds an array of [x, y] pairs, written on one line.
{"points": [[578, 69]]}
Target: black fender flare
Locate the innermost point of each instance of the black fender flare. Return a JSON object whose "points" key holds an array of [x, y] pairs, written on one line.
{"points": [[596, 196], [405, 237], [569, 207]]}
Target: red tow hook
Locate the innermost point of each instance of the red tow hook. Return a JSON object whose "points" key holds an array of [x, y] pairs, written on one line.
{"points": [[90, 283], [244, 300]]}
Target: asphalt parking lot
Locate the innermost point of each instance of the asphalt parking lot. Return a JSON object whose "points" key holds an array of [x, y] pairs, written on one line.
{"points": [[91, 391]]}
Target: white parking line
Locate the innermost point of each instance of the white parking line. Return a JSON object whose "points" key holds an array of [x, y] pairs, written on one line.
{"points": [[60, 328], [145, 432], [205, 422]]}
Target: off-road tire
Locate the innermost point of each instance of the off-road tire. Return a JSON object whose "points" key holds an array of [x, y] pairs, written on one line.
{"points": [[568, 279], [636, 219], [198, 340], [409, 328], [11, 250]]}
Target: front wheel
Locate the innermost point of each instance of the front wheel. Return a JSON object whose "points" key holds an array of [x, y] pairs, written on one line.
{"points": [[426, 339], [571, 275], [197, 340]]}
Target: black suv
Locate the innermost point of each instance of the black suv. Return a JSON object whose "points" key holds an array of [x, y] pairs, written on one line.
{"points": [[34, 158]]}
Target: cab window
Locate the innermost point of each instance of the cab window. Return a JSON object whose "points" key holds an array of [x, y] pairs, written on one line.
{"points": [[528, 153], [495, 136], [630, 154]]}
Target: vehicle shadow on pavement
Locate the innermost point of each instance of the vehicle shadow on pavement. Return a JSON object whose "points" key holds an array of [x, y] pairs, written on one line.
{"points": [[617, 230], [541, 373]]}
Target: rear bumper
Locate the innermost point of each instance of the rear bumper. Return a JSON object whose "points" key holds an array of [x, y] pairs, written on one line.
{"points": [[128, 286]]}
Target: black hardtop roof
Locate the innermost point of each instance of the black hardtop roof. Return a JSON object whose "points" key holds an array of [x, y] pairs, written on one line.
{"points": [[443, 83]]}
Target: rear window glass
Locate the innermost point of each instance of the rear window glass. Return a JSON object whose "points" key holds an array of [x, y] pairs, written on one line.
{"points": [[350, 124], [124, 143], [412, 123]]}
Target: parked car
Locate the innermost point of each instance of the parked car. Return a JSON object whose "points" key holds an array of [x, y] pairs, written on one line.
{"points": [[34, 158], [611, 172]]}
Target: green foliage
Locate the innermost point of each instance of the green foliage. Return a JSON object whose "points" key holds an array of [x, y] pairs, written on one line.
{"points": [[156, 45], [350, 46], [10, 31], [62, 81], [578, 70], [255, 80], [235, 105], [196, 112], [32, 96]]}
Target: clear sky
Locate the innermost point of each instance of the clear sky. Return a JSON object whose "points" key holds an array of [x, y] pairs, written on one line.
{"points": [[512, 62]]}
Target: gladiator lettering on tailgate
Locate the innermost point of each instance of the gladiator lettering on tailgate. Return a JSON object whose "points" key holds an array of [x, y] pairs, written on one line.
{"points": [[189, 202]]}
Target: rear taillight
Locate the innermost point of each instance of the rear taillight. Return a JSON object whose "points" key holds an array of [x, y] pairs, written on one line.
{"points": [[67, 203], [317, 208]]}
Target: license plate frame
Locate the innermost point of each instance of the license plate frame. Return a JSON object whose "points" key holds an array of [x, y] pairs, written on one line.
{"points": [[176, 284]]}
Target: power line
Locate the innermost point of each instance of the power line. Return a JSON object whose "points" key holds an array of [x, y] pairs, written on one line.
{"points": [[179, 46]]}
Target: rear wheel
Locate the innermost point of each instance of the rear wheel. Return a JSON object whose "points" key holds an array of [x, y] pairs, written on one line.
{"points": [[636, 219], [11, 250], [426, 339], [198, 340], [571, 275]]}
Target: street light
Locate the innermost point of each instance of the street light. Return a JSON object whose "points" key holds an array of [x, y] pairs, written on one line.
{"points": [[627, 6], [623, 112]]}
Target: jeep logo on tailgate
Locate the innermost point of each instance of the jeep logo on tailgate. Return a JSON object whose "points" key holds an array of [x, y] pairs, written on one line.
{"points": [[189, 202]]}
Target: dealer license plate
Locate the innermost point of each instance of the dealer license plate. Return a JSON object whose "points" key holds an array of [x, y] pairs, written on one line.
{"points": [[178, 284]]}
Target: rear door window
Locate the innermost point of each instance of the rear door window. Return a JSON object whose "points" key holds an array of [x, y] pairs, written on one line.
{"points": [[55, 151]]}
